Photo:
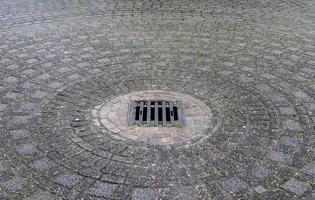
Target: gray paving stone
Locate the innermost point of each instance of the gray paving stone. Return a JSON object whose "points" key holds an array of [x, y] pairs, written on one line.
{"points": [[301, 94], [31, 61], [13, 67], [309, 168], [20, 119], [287, 111], [63, 69], [68, 180], [44, 76], [26, 149], [39, 94], [13, 95], [144, 194], [259, 189], [103, 190], [3, 107], [12, 79], [74, 77], [185, 193], [104, 60], [55, 84], [43, 196], [234, 185], [295, 186], [29, 72], [291, 125], [14, 185], [19, 134], [260, 172], [27, 107], [290, 141], [280, 157], [251, 62], [43, 164], [3, 166]]}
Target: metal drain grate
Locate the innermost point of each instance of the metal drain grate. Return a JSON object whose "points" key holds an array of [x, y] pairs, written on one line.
{"points": [[155, 113]]}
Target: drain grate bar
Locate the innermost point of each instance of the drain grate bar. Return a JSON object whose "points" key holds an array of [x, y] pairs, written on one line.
{"points": [[172, 113], [156, 116], [141, 113], [155, 113], [149, 114], [164, 113]]}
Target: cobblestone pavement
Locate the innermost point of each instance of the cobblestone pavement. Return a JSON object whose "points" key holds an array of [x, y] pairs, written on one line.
{"points": [[252, 61]]}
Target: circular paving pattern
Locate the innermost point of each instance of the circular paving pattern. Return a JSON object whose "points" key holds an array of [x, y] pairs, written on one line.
{"points": [[68, 70], [113, 115]]}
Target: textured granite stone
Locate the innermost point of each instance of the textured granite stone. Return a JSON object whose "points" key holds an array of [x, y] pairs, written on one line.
{"points": [[250, 62]]}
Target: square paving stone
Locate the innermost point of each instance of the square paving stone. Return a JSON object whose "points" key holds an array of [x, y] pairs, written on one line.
{"points": [[20, 119], [103, 60], [234, 185], [68, 180], [144, 194], [2, 107], [19, 134], [185, 193], [101, 189], [291, 125], [3, 166], [26, 149], [43, 196], [39, 94], [27, 107], [259, 189], [44, 76], [74, 77], [43, 164], [287, 111], [13, 95], [295, 186], [280, 157], [14, 185], [55, 84], [32, 60], [260, 172], [290, 141], [309, 168], [12, 79]]}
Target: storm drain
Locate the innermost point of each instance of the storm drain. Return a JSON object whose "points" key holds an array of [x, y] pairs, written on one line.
{"points": [[155, 113]]}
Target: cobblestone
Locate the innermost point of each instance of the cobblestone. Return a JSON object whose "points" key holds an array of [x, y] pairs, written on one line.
{"points": [[250, 62], [296, 186]]}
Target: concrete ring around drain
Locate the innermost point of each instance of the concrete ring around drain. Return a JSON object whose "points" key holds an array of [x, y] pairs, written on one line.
{"points": [[113, 115]]}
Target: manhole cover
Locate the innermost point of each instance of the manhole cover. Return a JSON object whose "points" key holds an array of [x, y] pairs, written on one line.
{"points": [[155, 113]]}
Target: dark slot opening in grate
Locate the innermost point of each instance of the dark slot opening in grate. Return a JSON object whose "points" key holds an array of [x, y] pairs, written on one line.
{"points": [[155, 113]]}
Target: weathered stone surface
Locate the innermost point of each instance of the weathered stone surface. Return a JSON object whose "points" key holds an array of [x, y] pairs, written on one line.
{"points": [[68, 180], [309, 168], [103, 190], [250, 62], [43, 164], [26, 149], [43, 196], [295, 186], [234, 185], [14, 185], [144, 194]]}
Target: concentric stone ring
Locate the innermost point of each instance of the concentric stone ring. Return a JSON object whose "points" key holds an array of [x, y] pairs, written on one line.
{"points": [[244, 71]]}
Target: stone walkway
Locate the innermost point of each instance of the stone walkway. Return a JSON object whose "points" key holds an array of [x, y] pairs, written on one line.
{"points": [[252, 62]]}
